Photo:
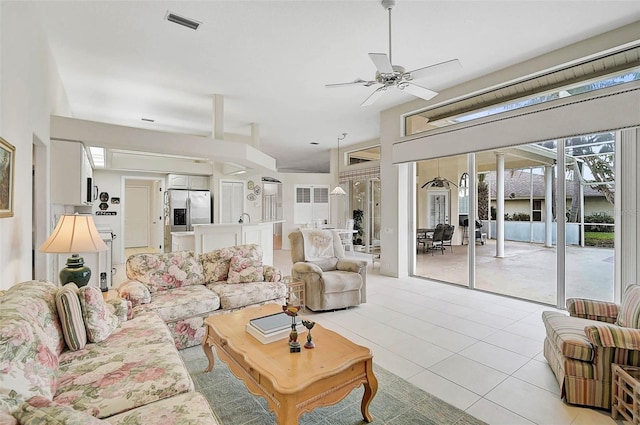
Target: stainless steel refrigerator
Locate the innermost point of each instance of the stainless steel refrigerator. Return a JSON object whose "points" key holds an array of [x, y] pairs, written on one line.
{"points": [[184, 208]]}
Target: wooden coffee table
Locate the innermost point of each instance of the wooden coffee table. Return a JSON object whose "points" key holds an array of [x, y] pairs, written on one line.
{"points": [[291, 383]]}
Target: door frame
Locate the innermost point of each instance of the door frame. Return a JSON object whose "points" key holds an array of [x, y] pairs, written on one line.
{"points": [[156, 210]]}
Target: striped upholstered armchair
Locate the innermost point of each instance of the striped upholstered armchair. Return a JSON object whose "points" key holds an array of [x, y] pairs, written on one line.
{"points": [[581, 348]]}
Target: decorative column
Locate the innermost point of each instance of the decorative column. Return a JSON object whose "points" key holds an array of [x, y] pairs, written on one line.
{"points": [[218, 117], [473, 208], [548, 206], [500, 205]]}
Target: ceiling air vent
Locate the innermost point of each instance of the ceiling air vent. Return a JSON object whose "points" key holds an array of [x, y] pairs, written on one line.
{"points": [[181, 20]]}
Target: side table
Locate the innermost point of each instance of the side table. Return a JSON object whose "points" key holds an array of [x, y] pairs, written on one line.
{"points": [[295, 291], [625, 393]]}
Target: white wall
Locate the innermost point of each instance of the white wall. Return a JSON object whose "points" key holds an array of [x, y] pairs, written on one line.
{"points": [[31, 91], [289, 180]]}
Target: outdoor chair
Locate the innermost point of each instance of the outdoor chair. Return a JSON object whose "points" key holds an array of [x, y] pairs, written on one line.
{"points": [[437, 239], [422, 239], [447, 236], [346, 237]]}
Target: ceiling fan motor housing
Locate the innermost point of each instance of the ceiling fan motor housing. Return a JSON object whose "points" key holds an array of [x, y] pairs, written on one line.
{"points": [[388, 4]]}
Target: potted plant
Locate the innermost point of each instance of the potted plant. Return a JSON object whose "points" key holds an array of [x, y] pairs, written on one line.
{"points": [[358, 215]]}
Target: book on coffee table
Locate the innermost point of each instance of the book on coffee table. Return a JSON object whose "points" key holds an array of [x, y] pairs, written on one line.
{"points": [[273, 327], [271, 323]]}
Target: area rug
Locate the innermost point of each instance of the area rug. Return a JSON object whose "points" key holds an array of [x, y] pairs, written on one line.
{"points": [[397, 401]]}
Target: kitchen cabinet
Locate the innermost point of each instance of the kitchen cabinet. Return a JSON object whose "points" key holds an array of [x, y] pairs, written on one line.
{"points": [[182, 241], [209, 237], [71, 174], [184, 181]]}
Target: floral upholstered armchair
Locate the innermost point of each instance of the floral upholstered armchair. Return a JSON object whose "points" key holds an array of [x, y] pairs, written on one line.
{"points": [[582, 347], [331, 280]]}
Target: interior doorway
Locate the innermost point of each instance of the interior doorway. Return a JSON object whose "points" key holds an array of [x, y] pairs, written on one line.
{"points": [[142, 214]]}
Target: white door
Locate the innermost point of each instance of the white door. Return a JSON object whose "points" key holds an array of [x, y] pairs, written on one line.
{"points": [[231, 201], [136, 216], [437, 207]]}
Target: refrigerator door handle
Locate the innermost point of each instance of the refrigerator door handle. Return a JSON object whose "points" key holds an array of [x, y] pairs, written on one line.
{"points": [[189, 214]]}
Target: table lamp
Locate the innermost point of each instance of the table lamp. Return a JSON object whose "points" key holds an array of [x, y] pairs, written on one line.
{"points": [[74, 234]]}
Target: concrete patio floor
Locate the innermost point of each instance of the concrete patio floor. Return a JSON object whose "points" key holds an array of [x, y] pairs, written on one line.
{"points": [[526, 271]]}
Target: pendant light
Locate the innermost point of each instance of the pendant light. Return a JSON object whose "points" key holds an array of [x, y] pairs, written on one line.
{"points": [[338, 190]]}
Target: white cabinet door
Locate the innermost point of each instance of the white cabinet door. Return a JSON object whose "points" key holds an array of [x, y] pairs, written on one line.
{"points": [[70, 169], [199, 182], [231, 201], [178, 181]]}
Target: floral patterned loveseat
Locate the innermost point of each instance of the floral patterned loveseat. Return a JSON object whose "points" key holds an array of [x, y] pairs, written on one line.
{"points": [[133, 375], [184, 288]]}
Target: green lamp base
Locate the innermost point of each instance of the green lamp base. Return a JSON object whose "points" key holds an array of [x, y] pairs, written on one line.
{"points": [[75, 271]]}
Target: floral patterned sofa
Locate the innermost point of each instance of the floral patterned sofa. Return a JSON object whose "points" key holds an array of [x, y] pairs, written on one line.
{"points": [[132, 375], [185, 288]]}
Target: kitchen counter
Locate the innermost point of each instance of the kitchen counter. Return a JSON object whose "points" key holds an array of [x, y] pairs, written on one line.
{"points": [[182, 241], [209, 237]]}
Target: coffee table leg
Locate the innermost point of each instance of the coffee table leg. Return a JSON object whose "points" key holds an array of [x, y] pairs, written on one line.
{"points": [[370, 390], [207, 351]]}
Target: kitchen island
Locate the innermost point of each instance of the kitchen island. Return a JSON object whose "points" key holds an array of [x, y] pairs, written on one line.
{"points": [[209, 237]]}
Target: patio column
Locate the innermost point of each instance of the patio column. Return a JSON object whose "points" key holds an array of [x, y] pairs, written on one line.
{"points": [[548, 206], [500, 205]]}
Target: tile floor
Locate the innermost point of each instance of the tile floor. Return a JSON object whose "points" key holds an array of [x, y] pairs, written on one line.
{"points": [[139, 250], [478, 351]]}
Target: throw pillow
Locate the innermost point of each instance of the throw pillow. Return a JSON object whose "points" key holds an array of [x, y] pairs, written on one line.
{"points": [[245, 270], [70, 314], [135, 292], [120, 308], [38, 410], [215, 264], [272, 274], [629, 313], [98, 320]]}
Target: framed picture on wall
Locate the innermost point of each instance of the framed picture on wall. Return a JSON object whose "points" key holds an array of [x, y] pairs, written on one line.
{"points": [[7, 164]]}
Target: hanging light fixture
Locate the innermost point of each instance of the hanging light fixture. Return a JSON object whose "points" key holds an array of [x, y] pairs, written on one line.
{"points": [[438, 181], [338, 190]]}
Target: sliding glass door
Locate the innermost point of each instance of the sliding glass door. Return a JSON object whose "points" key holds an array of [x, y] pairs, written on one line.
{"points": [[519, 211]]}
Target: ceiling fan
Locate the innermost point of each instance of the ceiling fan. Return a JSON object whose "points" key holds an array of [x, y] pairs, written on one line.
{"points": [[389, 75]]}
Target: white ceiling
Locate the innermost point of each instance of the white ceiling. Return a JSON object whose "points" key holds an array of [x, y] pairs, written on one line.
{"points": [[120, 61]]}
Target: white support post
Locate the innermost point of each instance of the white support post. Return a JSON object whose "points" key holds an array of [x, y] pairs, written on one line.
{"points": [[500, 205], [548, 206], [561, 220], [218, 117], [473, 215], [255, 136]]}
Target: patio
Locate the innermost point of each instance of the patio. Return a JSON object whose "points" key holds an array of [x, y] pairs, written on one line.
{"points": [[527, 271]]}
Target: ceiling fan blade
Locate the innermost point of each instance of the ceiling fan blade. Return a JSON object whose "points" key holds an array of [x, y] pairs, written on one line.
{"points": [[374, 96], [418, 91], [438, 68], [352, 83], [382, 63]]}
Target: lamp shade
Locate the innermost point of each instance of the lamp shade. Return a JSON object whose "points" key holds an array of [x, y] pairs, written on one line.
{"points": [[73, 234]]}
